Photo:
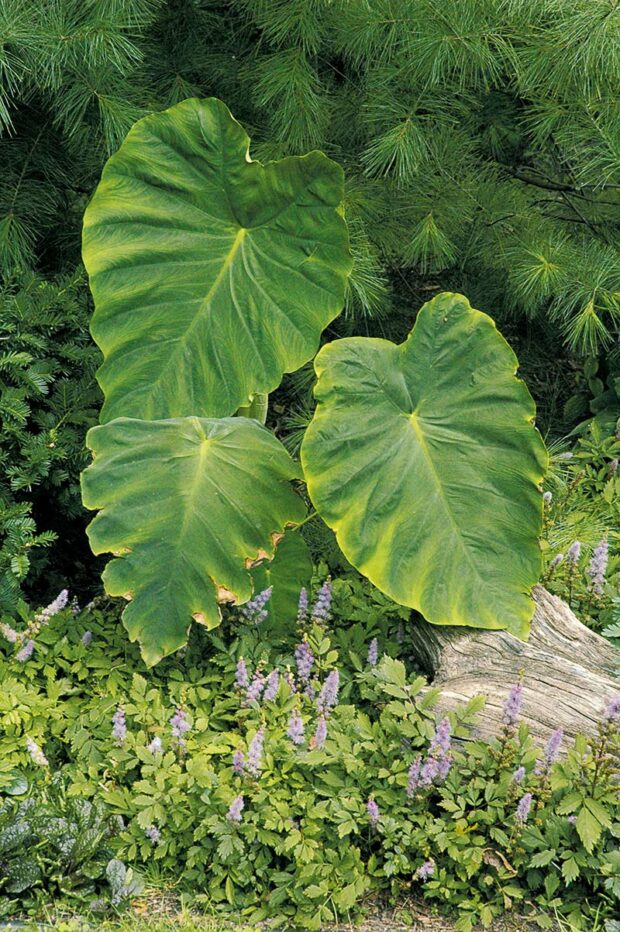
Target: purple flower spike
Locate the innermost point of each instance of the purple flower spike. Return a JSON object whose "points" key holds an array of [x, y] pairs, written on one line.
{"points": [[613, 467], [119, 730], [87, 638], [429, 772], [24, 655], [547, 496], [179, 726], [320, 735], [273, 684], [523, 809], [155, 747], [255, 689], [328, 697], [54, 607], [425, 871], [612, 712], [255, 610], [441, 739], [373, 812], [153, 834], [512, 706], [242, 680], [290, 679], [558, 558], [373, 652], [302, 607], [574, 551], [322, 605], [519, 775], [553, 746], [443, 766], [598, 567], [296, 728], [238, 763], [413, 780], [304, 659], [235, 809], [255, 753]]}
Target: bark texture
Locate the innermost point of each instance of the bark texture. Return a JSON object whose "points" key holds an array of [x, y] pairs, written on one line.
{"points": [[570, 672]]}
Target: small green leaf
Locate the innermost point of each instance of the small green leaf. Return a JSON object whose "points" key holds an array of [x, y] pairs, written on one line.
{"points": [[542, 858], [588, 828], [347, 897], [570, 870], [552, 882], [230, 891], [392, 671], [599, 812], [570, 803], [314, 891]]}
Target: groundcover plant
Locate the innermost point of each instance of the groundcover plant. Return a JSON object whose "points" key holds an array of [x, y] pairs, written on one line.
{"points": [[289, 773], [213, 275]]}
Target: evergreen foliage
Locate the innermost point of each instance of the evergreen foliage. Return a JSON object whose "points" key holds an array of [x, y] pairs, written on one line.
{"points": [[48, 398], [480, 141]]}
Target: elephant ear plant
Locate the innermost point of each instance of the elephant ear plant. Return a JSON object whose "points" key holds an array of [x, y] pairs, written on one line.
{"points": [[212, 276]]}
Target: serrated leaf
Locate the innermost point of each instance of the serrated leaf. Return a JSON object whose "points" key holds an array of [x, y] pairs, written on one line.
{"points": [[570, 870], [589, 829], [346, 898], [392, 671], [410, 451], [569, 803], [552, 882], [230, 891], [599, 812], [212, 274], [185, 505], [542, 858]]}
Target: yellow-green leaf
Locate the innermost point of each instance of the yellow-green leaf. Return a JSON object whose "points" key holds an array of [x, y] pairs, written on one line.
{"points": [[185, 505], [425, 461], [212, 274]]}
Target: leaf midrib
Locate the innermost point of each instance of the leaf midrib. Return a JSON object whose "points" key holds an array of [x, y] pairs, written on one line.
{"points": [[184, 338], [422, 442]]}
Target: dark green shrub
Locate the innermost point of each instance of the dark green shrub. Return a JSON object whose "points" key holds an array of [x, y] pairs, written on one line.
{"points": [[48, 399]]}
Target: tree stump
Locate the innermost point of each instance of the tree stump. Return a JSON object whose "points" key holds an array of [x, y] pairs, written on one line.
{"points": [[570, 673]]}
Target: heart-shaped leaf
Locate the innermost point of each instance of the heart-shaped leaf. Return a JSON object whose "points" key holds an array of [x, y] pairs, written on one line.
{"points": [[186, 505], [425, 461], [212, 274]]}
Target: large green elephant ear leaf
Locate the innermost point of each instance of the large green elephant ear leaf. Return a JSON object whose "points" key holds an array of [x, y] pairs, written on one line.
{"points": [[186, 506], [212, 274], [425, 461]]}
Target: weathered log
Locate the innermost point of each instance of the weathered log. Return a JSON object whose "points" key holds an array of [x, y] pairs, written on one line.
{"points": [[570, 672]]}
